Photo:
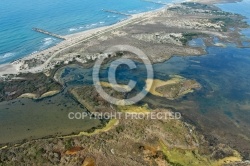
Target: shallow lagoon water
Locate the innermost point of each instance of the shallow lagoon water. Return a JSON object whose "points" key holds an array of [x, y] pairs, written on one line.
{"points": [[221, 109], [238, 7], [29, 119]]}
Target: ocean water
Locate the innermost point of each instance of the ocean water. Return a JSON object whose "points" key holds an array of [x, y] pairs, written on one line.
{"points": [[17, 18]]}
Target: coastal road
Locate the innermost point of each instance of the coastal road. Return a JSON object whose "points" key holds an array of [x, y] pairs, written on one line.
{"points": [[137, 19]]}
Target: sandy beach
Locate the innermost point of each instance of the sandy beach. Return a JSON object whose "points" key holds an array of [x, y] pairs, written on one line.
{"points": [[44, 57], [71, 40]]}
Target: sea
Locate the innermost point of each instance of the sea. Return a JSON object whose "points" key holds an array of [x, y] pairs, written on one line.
{"points": [[63, 17]]}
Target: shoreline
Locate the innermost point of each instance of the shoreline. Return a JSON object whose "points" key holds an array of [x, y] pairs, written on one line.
{"points": [[71, 40], [14, 67]]}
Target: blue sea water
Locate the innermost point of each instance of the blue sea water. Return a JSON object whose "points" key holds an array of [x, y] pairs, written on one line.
{"points": [[17, 18]]}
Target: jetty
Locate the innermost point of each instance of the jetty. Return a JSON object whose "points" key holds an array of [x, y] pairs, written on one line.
{"points": [[159, 3], [116, 12], [48, 33]]}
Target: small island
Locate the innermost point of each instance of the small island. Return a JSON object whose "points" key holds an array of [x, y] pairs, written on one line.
{"points": [[172, 89]]}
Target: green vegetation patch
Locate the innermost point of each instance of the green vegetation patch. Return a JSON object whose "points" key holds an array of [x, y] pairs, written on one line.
{"points": [[187, 36]]}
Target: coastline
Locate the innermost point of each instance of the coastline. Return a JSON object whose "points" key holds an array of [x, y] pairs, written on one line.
{"points": [[71, 40], [79, 37]]}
